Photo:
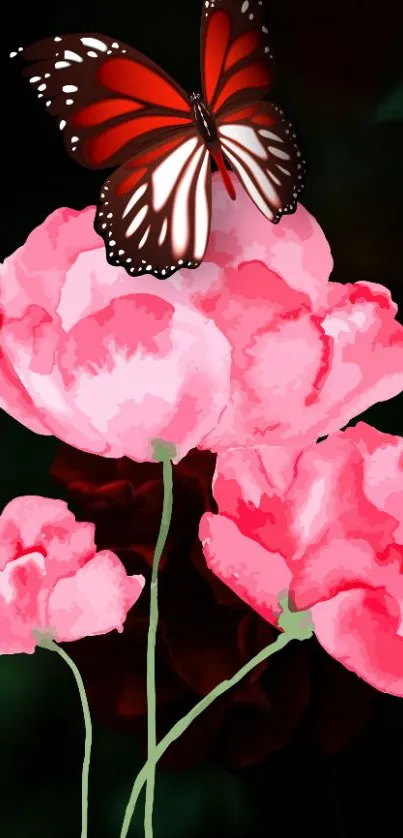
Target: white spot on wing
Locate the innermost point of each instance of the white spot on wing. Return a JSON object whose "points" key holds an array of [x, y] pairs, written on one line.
{"points": [[145, 237], [72, 56], [163, 232], [133, 200], [245, 7], [167, 173], [94, 43], [282, 169], [60, 64], [278, 152], [243, 164], [135, 224], [69, 88], [202, 211], [180, 219], [270, 135], [246, 136]]}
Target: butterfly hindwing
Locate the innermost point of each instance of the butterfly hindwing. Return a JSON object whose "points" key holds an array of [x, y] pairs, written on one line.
{"points": [[111, 101], [260, 145], [154, 212], [235, 53]]}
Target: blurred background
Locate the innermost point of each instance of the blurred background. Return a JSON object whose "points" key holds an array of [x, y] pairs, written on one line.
{"points": [[303, 744]]}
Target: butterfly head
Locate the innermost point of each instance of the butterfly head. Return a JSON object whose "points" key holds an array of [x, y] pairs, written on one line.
{"points": [[195, 96], [203, 119]]}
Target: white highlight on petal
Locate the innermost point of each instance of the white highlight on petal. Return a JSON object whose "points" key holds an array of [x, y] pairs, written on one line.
{"points": [[180, 218], [168, 172], [163, 232], [135, 224], [69, 88], [246, 137], [94, 43], [270, 135], [202, 218], [278, 152], [72, 56], [133, 200], [145, 237]]}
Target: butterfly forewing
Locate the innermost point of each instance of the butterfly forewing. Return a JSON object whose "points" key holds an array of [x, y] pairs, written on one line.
{"points": [[260, 145], [154, 212], [111, 101], [236, 57]]}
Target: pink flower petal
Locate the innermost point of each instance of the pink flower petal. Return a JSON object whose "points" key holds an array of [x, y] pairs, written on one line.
{"points": [[361, 630], [95, 600], [252, 573]]}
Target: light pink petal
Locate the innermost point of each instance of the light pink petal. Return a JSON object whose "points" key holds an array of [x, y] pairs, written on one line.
{"points": [[109, 387], [36, 272], [361, 629], [95, 600], [296, 248], [34, 523], [251, 572], [23, 602], [15, 400], [305, 374], [250, 485], [382, 456]]}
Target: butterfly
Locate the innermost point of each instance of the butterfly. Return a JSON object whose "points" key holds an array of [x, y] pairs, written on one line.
{"points": [[117, 109]]}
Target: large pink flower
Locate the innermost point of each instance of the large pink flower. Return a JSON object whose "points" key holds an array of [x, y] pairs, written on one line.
{"points": [[254, 347], [53, 580], [326, 524], [97, 359]]}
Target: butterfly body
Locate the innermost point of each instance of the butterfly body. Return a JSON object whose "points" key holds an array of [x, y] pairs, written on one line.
{"points": [[117, 109]]}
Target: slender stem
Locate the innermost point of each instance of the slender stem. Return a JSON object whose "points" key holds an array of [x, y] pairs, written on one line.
{"points": [[53, 647], [182, 725], [151, 639]]}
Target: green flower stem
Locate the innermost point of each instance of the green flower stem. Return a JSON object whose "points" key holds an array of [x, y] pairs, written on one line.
{"points": [[47, 643], [151, 639], [182, 725]]}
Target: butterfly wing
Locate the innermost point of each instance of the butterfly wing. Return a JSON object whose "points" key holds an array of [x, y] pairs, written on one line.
{"points": [[236, 58], [256, 139], [155, 210], [111, 100], [260, 145]]}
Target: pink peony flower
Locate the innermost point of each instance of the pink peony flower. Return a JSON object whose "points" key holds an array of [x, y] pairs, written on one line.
{"points": [[254, 347], [53, 580], [326, 524]]}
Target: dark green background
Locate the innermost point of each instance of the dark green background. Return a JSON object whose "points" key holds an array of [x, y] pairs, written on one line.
{"points": [[340, 79]]}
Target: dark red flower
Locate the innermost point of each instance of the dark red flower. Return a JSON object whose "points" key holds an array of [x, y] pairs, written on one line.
{"points": [[205, 633]]}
